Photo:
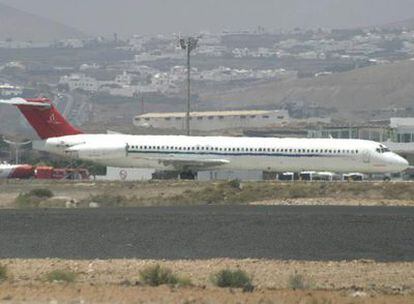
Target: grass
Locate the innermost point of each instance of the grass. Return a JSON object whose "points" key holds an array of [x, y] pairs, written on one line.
{"points": [[231, 278], [41, 193], [157, 275], [3, 273], [61, 276], [33, 198], [296, 281]]}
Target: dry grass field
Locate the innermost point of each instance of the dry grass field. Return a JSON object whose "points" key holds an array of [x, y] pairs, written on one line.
{"points": [[118, 281], [165, 193]]}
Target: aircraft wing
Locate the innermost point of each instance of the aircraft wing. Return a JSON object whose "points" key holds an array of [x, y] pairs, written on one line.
{"points": [[181, 163], [23, 102]]}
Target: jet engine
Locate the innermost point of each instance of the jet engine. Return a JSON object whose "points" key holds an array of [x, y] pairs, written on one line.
{"points": [[98, 151]]}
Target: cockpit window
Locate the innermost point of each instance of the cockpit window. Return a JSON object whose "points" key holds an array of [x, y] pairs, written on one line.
{"points": [[383, 149]]}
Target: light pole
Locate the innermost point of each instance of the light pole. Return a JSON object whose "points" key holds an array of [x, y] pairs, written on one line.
{"points": [[188, 44], [17, 146]]}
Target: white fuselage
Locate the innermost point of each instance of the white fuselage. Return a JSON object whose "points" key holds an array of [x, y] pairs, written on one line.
{"points": [[6, 170], [236, 153]]}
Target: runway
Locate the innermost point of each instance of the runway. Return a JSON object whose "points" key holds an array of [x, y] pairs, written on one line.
{"points": [[299, 233]]}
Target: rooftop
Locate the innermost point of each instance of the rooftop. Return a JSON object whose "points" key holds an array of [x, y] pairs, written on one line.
{"points": [[210, 113]]}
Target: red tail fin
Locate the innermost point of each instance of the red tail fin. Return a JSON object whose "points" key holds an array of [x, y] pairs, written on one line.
{"points": [[47, 121]]}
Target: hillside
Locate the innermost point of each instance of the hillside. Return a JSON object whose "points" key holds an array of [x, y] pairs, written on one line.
{"points": [[372, 88], [22, 26], [408, 23]]}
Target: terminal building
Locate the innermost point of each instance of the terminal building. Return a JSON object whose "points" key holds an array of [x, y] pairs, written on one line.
{"points": [[397, 133], [398, 130], [211, 121]]}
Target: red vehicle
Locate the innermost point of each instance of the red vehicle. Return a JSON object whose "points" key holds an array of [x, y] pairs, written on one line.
{"points": [[61, 173], [16, 171]]}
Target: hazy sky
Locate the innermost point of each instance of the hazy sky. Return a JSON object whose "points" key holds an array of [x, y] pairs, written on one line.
{"points": [[160, 16]]}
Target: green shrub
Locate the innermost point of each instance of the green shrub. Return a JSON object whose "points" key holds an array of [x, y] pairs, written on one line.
{"points": [[41, 193], [231, 278], [158, 275], [33, 198], [3, 273], [296, 281], [61, 276], [235, 183], [24, 200]]}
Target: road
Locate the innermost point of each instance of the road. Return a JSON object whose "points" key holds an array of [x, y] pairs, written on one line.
{"points": [[301, 233]]}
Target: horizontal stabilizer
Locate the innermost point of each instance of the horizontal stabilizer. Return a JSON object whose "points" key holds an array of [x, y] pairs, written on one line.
{"points": [[23, 102]]}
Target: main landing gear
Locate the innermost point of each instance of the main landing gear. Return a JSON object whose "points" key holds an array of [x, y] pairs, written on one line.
{"points": [[188, 175]]}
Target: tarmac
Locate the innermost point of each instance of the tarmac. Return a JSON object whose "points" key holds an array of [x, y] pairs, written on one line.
{"points": [[309, 233]]}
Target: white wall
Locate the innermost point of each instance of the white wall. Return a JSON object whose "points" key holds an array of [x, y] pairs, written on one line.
{"points": [[126, 174]]}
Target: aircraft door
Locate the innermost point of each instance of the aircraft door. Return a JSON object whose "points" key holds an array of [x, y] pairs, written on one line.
{"points": [[366, 157]]}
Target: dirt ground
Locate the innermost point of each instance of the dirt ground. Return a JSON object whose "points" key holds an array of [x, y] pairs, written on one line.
{"points": [[152, 193], [118, 281]]}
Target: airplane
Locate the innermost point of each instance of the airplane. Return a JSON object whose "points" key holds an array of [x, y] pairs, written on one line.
{"points": [[190, 154], [16, 171]]}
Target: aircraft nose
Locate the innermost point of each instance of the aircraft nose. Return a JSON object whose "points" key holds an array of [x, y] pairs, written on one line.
{"points": [[400, 163]]}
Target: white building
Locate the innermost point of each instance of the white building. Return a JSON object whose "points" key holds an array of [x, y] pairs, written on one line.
{"points": [[123, 79], [80, 81], [209, 121], [8, 90], [403, 129]]}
